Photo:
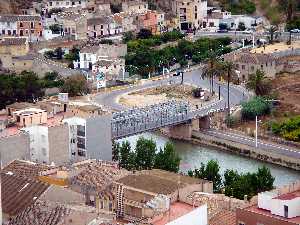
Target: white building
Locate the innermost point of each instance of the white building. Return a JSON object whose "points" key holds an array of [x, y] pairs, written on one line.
{"points": [[286, 205], [197, 217], [64, 4], [248, 21], [135, 6], [48, 144]]}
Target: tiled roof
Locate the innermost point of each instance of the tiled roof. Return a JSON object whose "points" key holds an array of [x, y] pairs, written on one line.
{"points": [[224, 217], [13, 41], [253, 58], [15, 18], [24, 168], [40, 213], [18, 193]]}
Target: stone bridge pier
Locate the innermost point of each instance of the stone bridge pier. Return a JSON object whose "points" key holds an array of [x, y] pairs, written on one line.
{"points": [[184, 131]]}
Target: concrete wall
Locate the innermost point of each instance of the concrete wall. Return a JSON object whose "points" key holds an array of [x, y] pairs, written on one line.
{"points": [[99, 140], [58, 137], [14, 147]]}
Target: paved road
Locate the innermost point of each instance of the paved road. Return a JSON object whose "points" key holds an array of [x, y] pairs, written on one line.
{"points": [[262, 145], [237, 94]]}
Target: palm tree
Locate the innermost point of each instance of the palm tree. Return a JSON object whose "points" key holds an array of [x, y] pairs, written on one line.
{"points": [[211, 69], [258, 83], [229, 69], [272, 31]]}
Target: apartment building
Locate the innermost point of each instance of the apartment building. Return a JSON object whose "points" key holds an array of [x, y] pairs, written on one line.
{"points": [[191, 13], [112, 68], [89, 137], [102, 27], [21, 25], [134, 6], [278, 207], [126, 20]]}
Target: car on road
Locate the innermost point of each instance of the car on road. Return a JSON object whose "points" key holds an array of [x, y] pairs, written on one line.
{"points": [[295, 31]]}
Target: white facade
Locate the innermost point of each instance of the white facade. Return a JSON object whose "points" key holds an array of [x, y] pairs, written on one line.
{"points": [[87, 60], [196, 217], [8, 28], [287, 205], [39, 143], [249, 21], [48, 34], [77, 137], [65, 4]]}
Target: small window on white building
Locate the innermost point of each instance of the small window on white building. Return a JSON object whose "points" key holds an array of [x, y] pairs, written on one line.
{"points": [[44, 151]]}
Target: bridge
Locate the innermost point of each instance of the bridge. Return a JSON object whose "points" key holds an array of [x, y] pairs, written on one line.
{"points": [[171, 113]]}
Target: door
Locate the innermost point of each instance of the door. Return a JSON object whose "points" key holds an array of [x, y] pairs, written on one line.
{"points": [[286, 211]]}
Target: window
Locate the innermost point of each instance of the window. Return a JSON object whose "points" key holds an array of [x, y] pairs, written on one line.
{"points": [[50, 3], [14, 32], [9, 32], [81, 130], [110, 206], [44, 151], [241, 223], [31, 25], [261, 66], [81, 153], [21, 24], [243, 67], [81, 143], [3, 32], [252, 68]]}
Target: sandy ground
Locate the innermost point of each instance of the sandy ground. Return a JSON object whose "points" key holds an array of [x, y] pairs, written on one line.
{"points": [[277, 47], [160, 94]]}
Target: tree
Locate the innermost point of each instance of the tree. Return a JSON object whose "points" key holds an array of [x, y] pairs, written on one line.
{"points": [[116, 151], [265, 180], [211, 68], [75, 85], [210, 172], [125, 155], [128, 36], [258, 83], [58, 52], [272, 29], [257, 106], [144, 34], [167, 159], [229, 69], [145, 151]]}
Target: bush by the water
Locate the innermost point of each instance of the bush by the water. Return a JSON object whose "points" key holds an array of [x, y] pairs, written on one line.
{"points": [[289, 129], [257, 106]]}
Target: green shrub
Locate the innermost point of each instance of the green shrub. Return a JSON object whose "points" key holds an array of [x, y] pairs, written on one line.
{"points": [[289, 129]]}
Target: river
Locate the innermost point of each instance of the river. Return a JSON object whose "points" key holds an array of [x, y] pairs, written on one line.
{"points": [[192, 155]]}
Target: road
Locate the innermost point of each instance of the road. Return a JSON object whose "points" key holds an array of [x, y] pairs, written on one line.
{"points": [[237, 94], [262, 145]]}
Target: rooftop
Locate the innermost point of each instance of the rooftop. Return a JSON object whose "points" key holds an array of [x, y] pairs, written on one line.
{"points": [[23, 168], [13, 41], [15, 18], [28, 111], [21, 105], [157, 181], [18, 193], [289, 196], [98, 175], [224, 217]]}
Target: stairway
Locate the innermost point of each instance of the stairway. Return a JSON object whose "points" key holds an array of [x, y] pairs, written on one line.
{"points": [[120, 201]]}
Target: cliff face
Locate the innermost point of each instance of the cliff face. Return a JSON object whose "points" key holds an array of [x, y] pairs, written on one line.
{"points": [[14, 6]]}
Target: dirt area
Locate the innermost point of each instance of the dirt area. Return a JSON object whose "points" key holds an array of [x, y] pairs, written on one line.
{"points": [[277, 47], [160, 94]]}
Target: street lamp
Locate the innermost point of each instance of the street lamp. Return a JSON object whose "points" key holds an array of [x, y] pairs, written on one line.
{"points": [[256, 131]]}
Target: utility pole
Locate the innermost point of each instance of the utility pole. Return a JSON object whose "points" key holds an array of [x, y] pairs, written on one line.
{"points": [[256, 129], [219, 92]]}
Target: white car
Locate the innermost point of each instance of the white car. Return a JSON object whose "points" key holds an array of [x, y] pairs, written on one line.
{"points": [[295, 31]]}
